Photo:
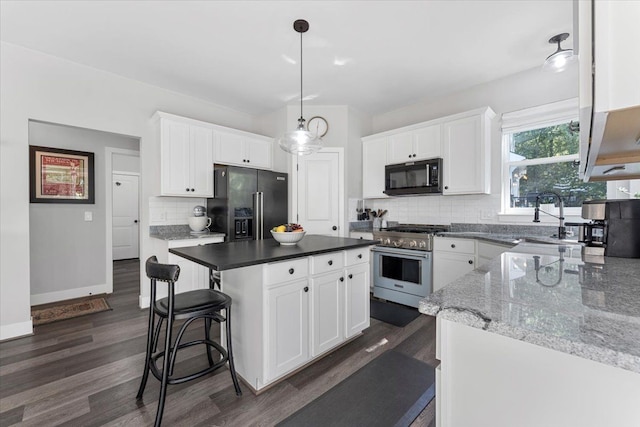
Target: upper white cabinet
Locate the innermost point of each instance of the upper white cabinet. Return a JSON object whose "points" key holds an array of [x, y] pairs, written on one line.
{"points": [[187, 159], [466, 154], [189, 148], [420, 144], [608, 37], [463, 141], [242, 149], [374, 159]]}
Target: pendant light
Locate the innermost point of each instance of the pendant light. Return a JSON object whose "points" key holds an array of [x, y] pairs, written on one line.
{"points": [[561, 58], [300, 141]]}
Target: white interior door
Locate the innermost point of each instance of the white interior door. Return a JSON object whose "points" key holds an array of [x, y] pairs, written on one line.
{"points": [[125, 216], [320, 192]]}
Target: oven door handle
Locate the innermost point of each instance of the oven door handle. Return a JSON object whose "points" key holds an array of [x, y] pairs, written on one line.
{"points": [[407, 253]]}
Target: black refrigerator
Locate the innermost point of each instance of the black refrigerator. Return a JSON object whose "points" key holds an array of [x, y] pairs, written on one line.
{"points": [[247, 203]]}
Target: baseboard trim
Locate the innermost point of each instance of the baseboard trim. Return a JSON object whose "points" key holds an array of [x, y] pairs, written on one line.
{"points": [[15, 330], [66, 294]]}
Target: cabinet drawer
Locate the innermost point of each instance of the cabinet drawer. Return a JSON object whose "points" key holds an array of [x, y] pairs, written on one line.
{"points": [[357, 256], [463, 246], [327, 262], [183, 243], [285, 271]]}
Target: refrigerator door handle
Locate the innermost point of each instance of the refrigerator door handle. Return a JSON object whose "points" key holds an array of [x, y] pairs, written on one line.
{"points": [[258, 203]]}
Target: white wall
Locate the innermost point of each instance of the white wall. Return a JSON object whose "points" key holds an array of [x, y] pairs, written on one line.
{"points": [[68, 253], [46, 88], [527, 89]]}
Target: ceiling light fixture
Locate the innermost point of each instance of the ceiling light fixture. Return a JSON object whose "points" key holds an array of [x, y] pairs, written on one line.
{"points": [[560, 59], [300, 141]]}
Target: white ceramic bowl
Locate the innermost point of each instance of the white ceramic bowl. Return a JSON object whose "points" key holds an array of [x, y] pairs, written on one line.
{"points": [[288, 238]]}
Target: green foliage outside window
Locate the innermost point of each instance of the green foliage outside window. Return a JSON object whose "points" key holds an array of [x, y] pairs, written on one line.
{"points": [[561, 177]]}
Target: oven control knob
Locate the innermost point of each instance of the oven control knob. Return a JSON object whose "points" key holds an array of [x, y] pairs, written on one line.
{"points": [[387, 241], [422, 244], [397, 243], [413, 244]]}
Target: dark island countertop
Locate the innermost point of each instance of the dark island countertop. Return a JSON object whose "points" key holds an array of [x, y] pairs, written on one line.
{"points": [[227, 256]]}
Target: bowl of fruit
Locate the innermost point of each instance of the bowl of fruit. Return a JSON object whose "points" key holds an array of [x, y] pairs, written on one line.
{"points": [[288, 234]]}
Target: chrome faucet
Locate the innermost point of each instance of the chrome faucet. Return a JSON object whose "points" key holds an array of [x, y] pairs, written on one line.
{"points": [[562, 231]]}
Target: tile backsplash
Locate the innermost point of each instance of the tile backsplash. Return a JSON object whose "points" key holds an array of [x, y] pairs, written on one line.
{"points": [[172, 210]]}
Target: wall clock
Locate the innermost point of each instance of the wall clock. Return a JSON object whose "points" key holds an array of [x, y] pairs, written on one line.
{"points": [[318, 126]]}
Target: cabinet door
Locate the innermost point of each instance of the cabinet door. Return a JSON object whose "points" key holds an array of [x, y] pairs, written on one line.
{"points": [[287, 334], [258, 153], [327, 312], [374, 159], [465, 159], [201, 171], [356, 301], [175, 155], [448, 266], [230, 149], [428, 142], [401, 148]]}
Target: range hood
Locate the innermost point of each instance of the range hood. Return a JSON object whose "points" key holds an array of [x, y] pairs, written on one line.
{"points": [[609, 90]]}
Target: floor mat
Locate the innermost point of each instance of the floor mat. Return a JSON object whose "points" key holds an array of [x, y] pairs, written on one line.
{"points": [[391, 390], [66, 310], [395, 314]]}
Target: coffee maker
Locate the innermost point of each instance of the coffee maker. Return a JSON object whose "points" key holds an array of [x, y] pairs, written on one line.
{"points": [[613, 230]]}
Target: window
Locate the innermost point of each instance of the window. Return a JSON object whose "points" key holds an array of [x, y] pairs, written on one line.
{"points": [[541, 154]]}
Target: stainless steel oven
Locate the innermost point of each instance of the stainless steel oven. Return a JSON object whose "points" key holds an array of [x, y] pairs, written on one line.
{"points": [[403, 263], [401, 275]]}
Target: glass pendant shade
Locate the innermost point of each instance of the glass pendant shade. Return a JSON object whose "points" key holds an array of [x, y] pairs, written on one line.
{"points": [[300, 142]]}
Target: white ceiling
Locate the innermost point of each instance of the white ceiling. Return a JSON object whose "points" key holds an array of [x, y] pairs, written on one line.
{"points": [[375, 56]]}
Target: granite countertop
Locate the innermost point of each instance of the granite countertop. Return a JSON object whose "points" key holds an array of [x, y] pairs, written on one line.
{"points": [[178, 232], [545, 294], [508, 239], [227, 256]]}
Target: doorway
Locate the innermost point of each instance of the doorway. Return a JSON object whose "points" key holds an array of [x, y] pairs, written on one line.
{"points": [[125, 213]]}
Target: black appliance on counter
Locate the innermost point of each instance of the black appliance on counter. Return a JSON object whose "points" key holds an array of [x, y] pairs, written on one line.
{"points": [[247, 202], [411, 178], [614, 229]]}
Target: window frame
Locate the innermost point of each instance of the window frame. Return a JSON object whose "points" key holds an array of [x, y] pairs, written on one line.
{"points": [[552, 114]]}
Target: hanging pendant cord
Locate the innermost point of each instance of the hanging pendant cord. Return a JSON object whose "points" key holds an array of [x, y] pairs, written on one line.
{"points": [[301, 76]]}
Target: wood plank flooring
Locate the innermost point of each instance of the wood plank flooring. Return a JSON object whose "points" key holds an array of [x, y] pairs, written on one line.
{"points": [[86, 371]]}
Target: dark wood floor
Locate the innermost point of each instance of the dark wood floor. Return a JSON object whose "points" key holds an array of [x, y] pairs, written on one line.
{"points": [[86, 371]]}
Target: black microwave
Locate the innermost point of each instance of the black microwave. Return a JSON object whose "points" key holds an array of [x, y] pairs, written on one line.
{"points": [[420, 177]]}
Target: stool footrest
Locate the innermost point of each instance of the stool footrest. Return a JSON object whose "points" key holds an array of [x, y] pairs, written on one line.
{"points": [[178, 380]]}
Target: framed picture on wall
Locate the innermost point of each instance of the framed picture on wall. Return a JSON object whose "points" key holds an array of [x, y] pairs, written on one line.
{"points": [[61, 176]]}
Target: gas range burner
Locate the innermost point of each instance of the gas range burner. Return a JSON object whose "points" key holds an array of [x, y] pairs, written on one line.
{"points": [[417, 228], [409, 236]]}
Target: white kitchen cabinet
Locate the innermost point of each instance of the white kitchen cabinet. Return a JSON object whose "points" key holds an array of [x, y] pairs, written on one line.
{"points": [[356, 298], [488, 251], [487, 379], [374, 159], [287, 317], [452, 259], [292, 312], [467, 154], [242, 149], [419, 144], [327, 311], [186, 159]]}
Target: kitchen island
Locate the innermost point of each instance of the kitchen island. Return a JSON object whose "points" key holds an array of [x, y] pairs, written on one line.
{"points": [[538, 337], [291, 304]]}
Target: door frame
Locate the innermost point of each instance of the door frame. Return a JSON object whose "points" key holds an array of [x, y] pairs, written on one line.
{"points": [[109, 152], [293, 172]]}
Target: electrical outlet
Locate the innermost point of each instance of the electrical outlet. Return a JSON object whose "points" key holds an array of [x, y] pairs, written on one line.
{"points": [[88, 216]]}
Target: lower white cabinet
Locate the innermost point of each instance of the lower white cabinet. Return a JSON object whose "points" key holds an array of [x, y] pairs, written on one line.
{"points": [[288, 327], [285, 314], [452, 258]]}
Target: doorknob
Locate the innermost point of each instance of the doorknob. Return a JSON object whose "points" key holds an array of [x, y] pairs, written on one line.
{"points": [[135, 221], [334, 228]]}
